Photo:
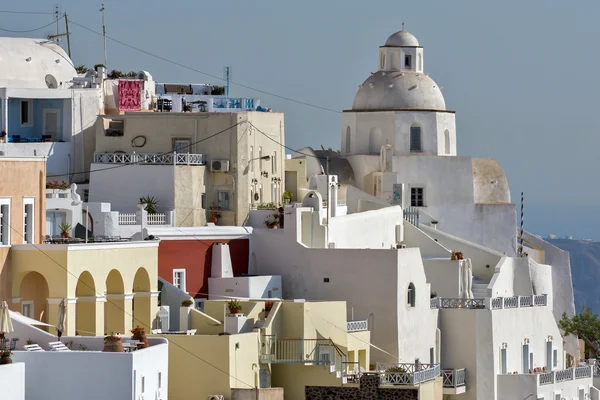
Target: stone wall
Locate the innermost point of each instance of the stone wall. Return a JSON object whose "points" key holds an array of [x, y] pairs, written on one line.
{"points": [[368, 390]]}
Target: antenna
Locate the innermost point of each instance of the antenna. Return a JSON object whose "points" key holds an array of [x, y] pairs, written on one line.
{"points": [[402, 25], [227, 77], [104, 34], [59, 35]]}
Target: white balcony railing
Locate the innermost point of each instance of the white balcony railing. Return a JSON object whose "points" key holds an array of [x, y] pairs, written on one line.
{"points": [[407, 374], [127, 219], [494, 303], [301, 351], [549, 378], [150, 158], [157, 219], [453, 378], [357, 326], [461, 303]]}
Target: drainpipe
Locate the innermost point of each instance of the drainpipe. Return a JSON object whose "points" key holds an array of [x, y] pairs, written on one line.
{"points": [[235, 200], [5, 115]]}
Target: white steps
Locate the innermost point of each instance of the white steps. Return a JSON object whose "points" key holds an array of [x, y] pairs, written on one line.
{"points": [[479, 288]]}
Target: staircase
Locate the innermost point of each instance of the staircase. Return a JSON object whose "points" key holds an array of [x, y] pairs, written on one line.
{"points": [[479, 288]]}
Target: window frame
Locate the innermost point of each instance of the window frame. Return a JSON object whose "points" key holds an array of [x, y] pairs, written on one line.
{"points": [[29, 201], [411, 148], [415, 202], [29, 122], [5, 201], [229, 202], [181, 139], [182, 283], [31, 305]]}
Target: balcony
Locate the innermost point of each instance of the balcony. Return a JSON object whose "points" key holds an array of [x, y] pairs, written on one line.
{"points": [[494, 303], [568, 381], [407, 374], [454, 381], [302, 351], [357, 326], [150, 158]]}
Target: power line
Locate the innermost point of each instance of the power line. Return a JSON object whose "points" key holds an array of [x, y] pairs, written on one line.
{"points": [[171, 343], [284, 146], [33, 30], [206, 73], [25, 12]]}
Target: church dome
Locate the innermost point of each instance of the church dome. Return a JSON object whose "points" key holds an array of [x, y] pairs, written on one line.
{"points": [[402, 39], [34, 63], [399, 90]]}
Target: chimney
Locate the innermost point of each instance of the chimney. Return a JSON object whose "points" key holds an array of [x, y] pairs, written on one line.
{"points": [[221, 261]]}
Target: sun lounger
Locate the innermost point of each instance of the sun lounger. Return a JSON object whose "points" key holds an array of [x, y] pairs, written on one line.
{"points": [[58, 346], [33, 347]]}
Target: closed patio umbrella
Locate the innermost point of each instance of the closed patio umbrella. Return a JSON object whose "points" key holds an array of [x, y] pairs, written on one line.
{"points": [[5, 322], [62, 316]]}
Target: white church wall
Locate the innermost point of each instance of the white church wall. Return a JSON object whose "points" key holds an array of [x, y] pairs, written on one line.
{"points": [[366, 230], [368, 280], [430, 248], [429, 138], [446, 122]]}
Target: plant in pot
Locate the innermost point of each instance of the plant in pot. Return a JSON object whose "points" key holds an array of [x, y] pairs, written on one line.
{"points": [[215, 212], [268, 307], [151, 203], [457, 255], [5, 356], [272, 221], [287, 196], [64, 230], [234, 306], [187, 303], [113, 344], [138, 333]]}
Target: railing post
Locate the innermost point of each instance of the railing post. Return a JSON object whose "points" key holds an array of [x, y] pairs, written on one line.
{"points": [[174, 158]]}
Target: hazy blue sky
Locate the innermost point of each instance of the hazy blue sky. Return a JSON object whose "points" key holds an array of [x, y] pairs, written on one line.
{"points": [[522, 75]]}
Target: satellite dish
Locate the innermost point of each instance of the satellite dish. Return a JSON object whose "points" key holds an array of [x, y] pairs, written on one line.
{"points": [[51, 82]]}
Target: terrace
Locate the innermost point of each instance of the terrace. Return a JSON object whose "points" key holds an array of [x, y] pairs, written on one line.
{"points": [[150, 158], [495, 303], [569, 381], [407, 374]]}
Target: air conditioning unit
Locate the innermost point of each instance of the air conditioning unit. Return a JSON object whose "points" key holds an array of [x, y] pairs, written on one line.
{"points": [[215, 397], [219, 165]]}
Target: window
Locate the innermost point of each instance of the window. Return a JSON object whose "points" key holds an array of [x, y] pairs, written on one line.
{"points": [[251, 158], [224, 199], [407, 61], [27, 308], [446, 142], [348, 138], [416, 197], [5, 222], [420, 62], [182, 145], [410, 299], [199, 304], [525, 359], [382, 61], [555, 359], [26, 113], [28, 221], [179, 279], [143, 384], [557, 396], [273, 192], [260, 161], [549, 355], [503, 366], [415, 139], [431, 356]]}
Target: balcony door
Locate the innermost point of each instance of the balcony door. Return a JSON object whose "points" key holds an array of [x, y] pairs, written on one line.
{"points": [[52, 124], [53, 221]]}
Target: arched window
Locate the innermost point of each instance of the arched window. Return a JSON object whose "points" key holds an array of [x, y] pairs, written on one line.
{"points": [[375, 141], [407, 61], [447, 141], [415, 139], [420, 62], [348, 140], [382, 61], [410, 298]]}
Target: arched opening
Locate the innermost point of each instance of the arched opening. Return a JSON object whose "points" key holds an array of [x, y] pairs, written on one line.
{"points": [[382, 62], [410, 300], [420, 62], [447, 141], [85, 310], [415, 139], [375, 141], [34, 297], [142, 299], [348, 140], [114, 308], [90, 220]]}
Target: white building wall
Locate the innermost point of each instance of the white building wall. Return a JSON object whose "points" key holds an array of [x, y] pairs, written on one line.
{"points": [[12, 381], [377, 229]]}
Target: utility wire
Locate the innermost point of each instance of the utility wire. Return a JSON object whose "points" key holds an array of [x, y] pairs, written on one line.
{"points": [[25, 12], [284, 146], [171, 343], [33, 30], [205, 73]]}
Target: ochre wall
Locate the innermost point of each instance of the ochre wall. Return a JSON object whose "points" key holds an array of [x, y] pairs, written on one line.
{"points": [[196, 257]]}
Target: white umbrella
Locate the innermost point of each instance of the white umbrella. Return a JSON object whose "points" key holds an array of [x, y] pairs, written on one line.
{"points": [[62, 316], [5, 322], [15, 316]]}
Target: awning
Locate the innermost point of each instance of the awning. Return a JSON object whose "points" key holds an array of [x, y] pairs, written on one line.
{"points": [[15, 316]]}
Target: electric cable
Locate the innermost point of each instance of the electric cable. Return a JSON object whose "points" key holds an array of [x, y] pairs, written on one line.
{"points": [[33, 30]]}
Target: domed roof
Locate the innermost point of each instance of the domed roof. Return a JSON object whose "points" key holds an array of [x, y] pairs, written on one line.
{"points": [[402, 39], [34, 63], [399, 90]]}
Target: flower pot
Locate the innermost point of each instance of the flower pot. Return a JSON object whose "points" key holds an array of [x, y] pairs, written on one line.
{"points": [[267, 314], [141, 337], [272, 226], [111, 346], [65, 235], [5, 360], [235, 311]]}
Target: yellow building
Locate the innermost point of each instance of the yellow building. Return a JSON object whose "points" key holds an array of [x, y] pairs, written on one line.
{"points": [[109, 287], [299, 343]]}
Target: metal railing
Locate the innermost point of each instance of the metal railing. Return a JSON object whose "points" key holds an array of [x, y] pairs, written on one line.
{"points": [[412, 215], [306, 351], [511, 302], [357, 326], [495, 303], [461, 303], [407, 374], [351, 371], [150, 158], [127, 219], [453, 378], [434, 303], [549, 378], [157, 219]]}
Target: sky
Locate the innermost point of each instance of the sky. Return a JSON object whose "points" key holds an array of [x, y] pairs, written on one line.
{"points": [[521, 75]]}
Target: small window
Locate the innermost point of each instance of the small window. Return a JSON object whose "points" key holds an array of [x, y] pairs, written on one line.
{"points": [[274, 163], [28, 221], [417, 197], [115, 128], [410, 300], [503, 366], [143, 384], [5, 224], [179, 279], [182, 145], [581, 394], [224, 200], [557, 396], [555, 359], [447, 141], [26, 113], [326, 280], [27, 309], [348, 139], [407, 61], [415, 139], [382, 61]]}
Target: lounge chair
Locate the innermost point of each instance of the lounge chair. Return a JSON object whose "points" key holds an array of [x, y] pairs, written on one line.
{"points": [[33, 347], [58, 346]]}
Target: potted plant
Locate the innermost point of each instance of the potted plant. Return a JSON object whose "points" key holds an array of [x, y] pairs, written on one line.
{"points": [[287, 196], [113, 344], [138, 333], [457, 255], [5, 356], [268, 307], [64, 230], [272, 221], [187, 303], [215, 212], [234, 306], [151, 203]]}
